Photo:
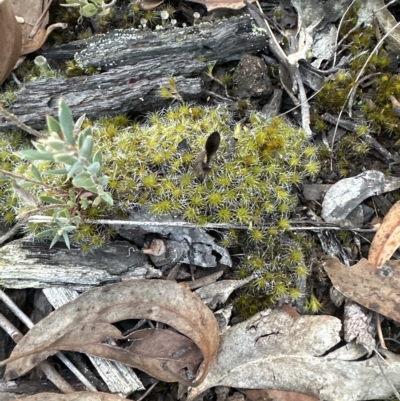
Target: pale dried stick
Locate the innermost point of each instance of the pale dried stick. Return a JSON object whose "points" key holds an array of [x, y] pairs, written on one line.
{"points": [[28, 322], [45, 366], [9, 116]]}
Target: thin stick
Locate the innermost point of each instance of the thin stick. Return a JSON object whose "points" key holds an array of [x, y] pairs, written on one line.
{"points": [[28, 322], [13, 231], [21, 177], [135, 223], [148, 390], [45, 366], [11, 117], [39, 22], [379, 330]]}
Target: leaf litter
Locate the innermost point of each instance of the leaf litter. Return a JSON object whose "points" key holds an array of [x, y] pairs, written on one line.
{"points": [[274, 350], [373, 282], [83, 324]]}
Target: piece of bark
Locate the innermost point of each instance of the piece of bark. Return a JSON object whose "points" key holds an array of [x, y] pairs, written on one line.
{"points": [[220, 42], [25, 264], [121, 91], [118, 377]]}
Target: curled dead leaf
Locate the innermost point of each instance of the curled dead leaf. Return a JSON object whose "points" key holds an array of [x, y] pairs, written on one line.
{"points": [[29, 46], [85, 323], [387, 238]]}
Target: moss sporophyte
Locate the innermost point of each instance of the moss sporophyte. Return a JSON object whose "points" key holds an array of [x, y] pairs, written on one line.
{"points": [[148, 166]]}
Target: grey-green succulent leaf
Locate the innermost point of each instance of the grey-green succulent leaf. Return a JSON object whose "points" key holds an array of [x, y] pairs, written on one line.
{"points": [[57, 171], [36, 173], [66, 122], [66, 158], [85, 151], [75, 169], [106, 196], [94, 168], [49, 199], [83, 134], [84, 180], [89, 10], [32, 154], [53, 125]]}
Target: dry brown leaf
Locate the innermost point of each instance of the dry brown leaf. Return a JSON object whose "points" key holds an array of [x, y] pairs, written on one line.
{"points": [[30, 12], [30, 46], [78, 396], [10, 33], [213, 4], [387, 238], [83, 324], [362, 283], [146, 5]]}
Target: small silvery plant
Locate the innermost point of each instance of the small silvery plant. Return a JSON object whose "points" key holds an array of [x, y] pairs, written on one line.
{"points": [[75, 183]]}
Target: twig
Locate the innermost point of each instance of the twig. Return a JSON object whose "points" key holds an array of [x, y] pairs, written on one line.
{"points": [[350, 126], [354, 90], [11, 232], [338, 31], [379, 330], [136, 223], [45, 366], [305, 108], [148, 391], [378, 355], [40, 20], [9, 116], [21, 177], [28, 322]]}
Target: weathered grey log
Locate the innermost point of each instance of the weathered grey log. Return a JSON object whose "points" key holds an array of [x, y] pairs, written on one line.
{"points": [[138, 64], [221, 41], [33, 265], [121, 91]]}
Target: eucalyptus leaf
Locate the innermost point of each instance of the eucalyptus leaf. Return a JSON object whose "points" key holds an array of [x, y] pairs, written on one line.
{"points": [[36, 173], [66, 122]]}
